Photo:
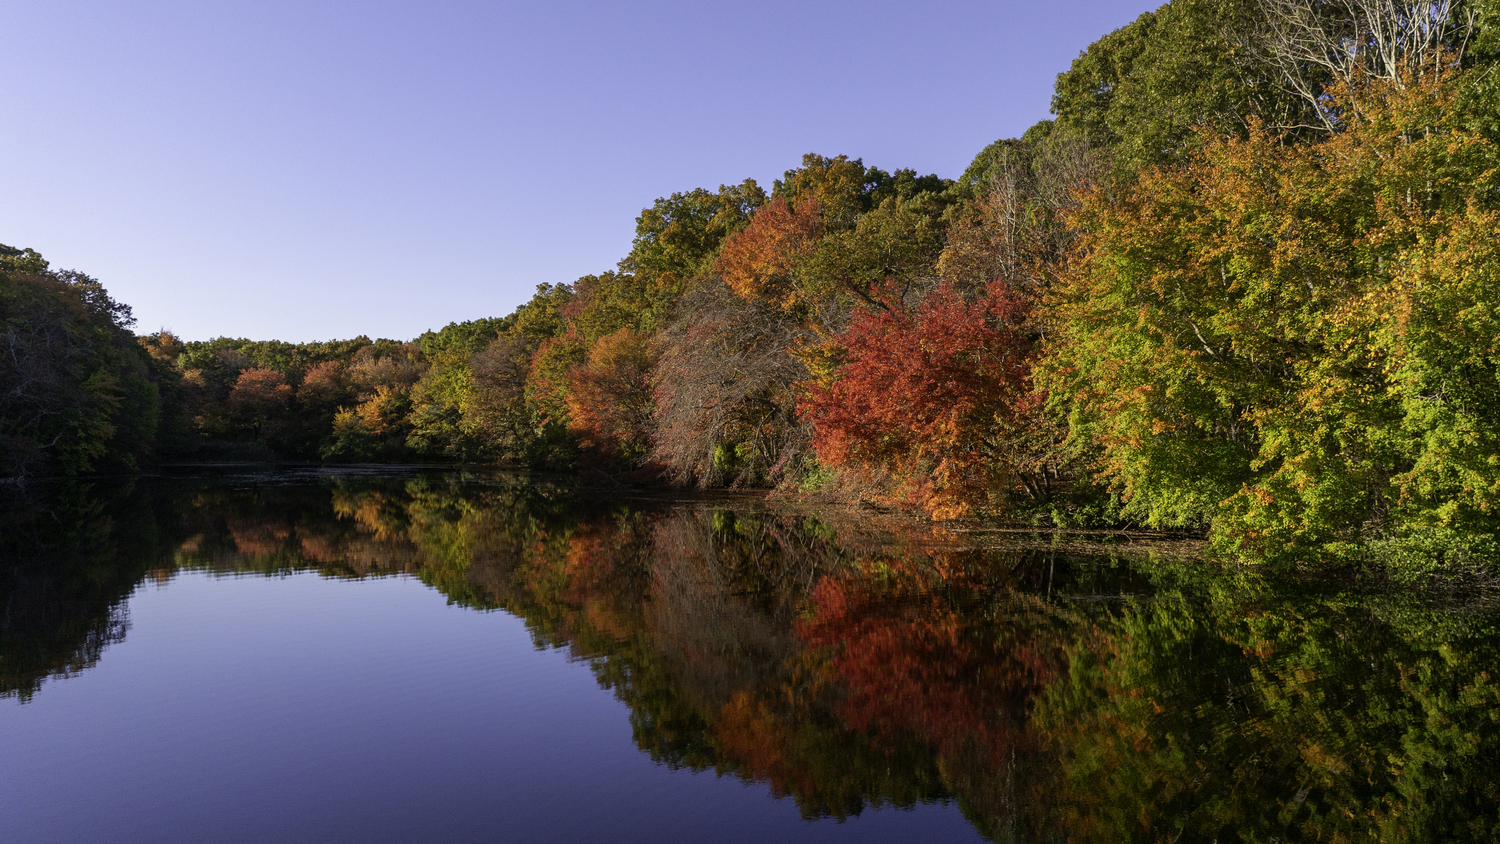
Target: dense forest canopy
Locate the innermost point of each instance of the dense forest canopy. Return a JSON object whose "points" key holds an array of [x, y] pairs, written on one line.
{"points": [[1243, 282]]}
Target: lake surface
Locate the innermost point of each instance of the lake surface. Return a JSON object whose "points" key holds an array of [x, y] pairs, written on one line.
{"points": [[410, 655]]}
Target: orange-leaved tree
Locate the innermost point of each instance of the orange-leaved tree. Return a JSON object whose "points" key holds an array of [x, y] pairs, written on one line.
{"points": [[763, 260], [609, 397]]}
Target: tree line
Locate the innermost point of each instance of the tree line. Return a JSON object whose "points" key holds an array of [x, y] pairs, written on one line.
{"points": [[1243, 282]]}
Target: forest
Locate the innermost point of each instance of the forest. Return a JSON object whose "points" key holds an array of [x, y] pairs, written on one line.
{"points": [[1244, 283]]}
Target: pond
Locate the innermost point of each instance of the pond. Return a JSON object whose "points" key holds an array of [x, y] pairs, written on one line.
{"points": [[399, 655]]}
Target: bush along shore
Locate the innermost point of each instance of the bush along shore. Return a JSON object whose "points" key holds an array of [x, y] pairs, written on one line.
{"points": [[1245, 284]]}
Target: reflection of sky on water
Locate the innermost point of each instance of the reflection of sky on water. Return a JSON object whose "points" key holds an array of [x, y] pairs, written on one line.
{"points": [[305, 709]]}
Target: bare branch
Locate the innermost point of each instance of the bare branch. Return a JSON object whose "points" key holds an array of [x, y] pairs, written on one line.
{"points": [[1318, 43]]}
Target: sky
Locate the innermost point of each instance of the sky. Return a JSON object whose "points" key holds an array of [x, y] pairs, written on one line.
{"points": [[316, 170]]}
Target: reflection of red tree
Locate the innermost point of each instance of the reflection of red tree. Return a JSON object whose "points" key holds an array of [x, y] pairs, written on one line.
{"points": [[910, 662], [321, 550]]}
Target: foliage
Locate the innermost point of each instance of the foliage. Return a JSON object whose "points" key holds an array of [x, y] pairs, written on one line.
{"points": [[763, 261], [832, 232], [440, 399], [77, 393], [547, 397], [257, 394], [1150, 89], [496, 412], [1253, 248], [934, 396], [1289, 342], [1016, 229], [609, 397], [677, 237]]}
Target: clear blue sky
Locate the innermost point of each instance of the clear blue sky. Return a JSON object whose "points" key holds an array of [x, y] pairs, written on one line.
{"points": [[311, 170]]}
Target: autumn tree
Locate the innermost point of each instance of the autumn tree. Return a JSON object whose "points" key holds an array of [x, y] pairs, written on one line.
{"points": [[1288, 343], [765, 260], [589, 367], [324, 386], [163, 345], [381, 376], [931, 399], [258, 395], [846, 189], [547, 397], [833, 230], [609, 398], [678, 236]]}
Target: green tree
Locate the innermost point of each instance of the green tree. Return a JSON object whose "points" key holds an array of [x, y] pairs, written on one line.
{"points": [[677, 237], [1145, 90], [77, 392], [440, 399], [1286, 342]]}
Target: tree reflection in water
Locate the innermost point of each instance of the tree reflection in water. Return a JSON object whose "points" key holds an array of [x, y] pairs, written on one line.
{"points": [[1054, 696]]}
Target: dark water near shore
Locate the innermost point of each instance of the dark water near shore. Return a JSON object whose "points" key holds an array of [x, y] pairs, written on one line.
{"points": [[418, 655]]}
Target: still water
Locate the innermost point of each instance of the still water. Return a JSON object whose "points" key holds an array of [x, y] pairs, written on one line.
{"points": [[405, 655]]}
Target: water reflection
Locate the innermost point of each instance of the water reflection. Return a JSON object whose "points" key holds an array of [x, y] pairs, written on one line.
{"points": [[1054, 696]]}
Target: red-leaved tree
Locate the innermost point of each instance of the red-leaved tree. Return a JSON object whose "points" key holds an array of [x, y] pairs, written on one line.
{"points": [[259, 394], [932, 399]]}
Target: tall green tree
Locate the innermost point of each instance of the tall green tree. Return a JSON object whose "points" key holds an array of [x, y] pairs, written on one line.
{"points": [[1145, 90], [77, 393], [1294, 344]]}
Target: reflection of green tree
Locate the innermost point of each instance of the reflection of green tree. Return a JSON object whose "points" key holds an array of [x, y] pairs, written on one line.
{"points": [[1276, 719], [69, 557]]}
